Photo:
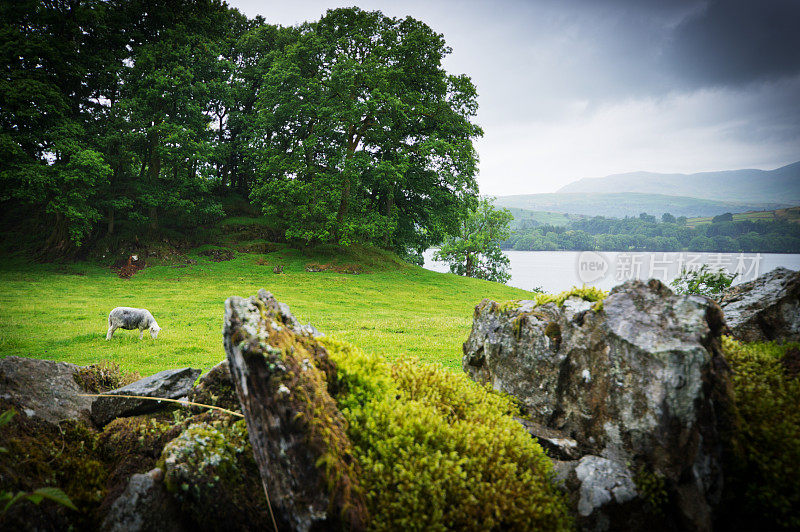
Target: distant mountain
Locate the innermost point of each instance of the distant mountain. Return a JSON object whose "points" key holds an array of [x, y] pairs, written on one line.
{"points": [[618, 205], [781, 185]]}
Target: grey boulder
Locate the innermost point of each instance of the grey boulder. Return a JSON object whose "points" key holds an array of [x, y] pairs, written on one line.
{"points": [[44, 389], [765, 309], [167, 384], [641, 383]]}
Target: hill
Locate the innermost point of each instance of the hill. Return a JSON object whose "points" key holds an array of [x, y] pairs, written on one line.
{"points": [[621, 204], [781, 185]]}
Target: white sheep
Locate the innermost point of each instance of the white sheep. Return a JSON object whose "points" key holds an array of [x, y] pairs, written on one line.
{"points": [[132, 318]]}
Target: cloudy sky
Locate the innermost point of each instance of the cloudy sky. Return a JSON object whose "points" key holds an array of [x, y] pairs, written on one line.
{"points": [[585, 88]]}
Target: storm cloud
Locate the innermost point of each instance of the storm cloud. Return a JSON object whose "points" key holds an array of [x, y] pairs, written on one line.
{"points": [[735, 42]]}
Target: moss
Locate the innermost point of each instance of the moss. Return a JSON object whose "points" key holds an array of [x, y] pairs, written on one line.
{"points": [[553, 332], [440, 452], [509, 306], [216, 389], [764, 456], [587, 293], [652, 489], [39, 454]]}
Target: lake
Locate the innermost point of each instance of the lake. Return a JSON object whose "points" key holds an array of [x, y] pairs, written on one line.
{"points": [[556, 271]]}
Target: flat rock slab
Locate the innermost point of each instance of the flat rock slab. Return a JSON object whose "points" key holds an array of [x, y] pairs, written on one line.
{"points": [[167, 384], [44, 389]]}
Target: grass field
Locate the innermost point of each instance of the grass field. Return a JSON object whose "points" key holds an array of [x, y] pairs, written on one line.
{"points": [[59, 312]]}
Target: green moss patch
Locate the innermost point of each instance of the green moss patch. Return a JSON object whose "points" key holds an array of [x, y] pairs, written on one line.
{"points": [[764, 462], [438, 452]]}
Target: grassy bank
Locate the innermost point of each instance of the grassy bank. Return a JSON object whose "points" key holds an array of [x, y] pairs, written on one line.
{"points": [[59, 312]]}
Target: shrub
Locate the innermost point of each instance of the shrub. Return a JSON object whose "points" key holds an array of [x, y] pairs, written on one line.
{"points": [[439, 452], [761, 483], [104, 376], [702, 281]]}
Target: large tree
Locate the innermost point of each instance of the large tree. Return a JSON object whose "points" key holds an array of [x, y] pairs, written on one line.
{"points": [[362, 135]]}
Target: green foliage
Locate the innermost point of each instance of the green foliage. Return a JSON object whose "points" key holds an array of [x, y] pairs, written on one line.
{"points": [[439, 452], [702, 281], [474, 250], [761, 480], [7, 499], [103, 376]]}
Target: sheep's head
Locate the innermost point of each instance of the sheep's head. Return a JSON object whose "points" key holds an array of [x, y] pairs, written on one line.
{"points": [[154, 330]]}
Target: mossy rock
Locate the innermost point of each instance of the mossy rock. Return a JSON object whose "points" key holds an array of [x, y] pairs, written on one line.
{"points": [[39, 454], [210, 470], [215, 388]]}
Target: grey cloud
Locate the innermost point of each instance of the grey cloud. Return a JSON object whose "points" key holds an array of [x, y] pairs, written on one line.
{"points": [[735, 42]]}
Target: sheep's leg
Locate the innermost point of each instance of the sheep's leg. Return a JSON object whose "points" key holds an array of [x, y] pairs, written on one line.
{"points": [[110, 332]]}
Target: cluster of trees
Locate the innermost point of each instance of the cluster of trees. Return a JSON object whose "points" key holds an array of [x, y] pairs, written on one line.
{"points": [[646, 233], [137, 117]]}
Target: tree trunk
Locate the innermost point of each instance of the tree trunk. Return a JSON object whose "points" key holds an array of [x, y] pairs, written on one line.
{"points": [[389, 207], [110, 221]]}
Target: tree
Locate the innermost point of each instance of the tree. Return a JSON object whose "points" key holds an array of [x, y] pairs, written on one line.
{"points": [[475, 250], [361, 136]]}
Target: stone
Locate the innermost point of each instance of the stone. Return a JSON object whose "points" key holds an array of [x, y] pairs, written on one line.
{"points": [[765, 309], [602, 481], [167, 384], [641, 383], [557, 444], [282, 374], [145, 506], [44, 389]]}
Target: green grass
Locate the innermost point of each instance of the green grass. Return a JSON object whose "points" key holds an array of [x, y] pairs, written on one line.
{"points": [[60, 312]]}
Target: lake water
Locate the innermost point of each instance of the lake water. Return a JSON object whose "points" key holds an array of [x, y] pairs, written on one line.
{"points": [[556, 271]]}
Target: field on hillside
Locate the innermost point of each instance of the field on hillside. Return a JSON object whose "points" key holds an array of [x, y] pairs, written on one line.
{"points": [[791, 214], [60, 312], [523, 218]]}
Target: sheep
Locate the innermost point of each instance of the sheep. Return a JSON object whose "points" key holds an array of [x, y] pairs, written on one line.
{"points": [[132, 318]]}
